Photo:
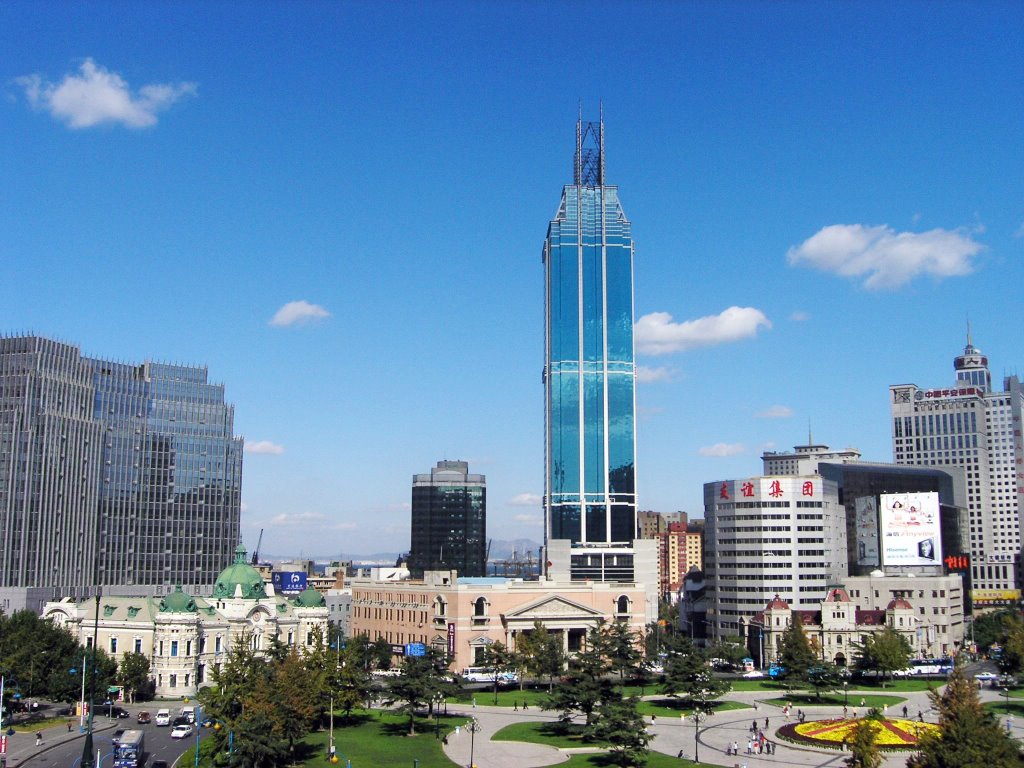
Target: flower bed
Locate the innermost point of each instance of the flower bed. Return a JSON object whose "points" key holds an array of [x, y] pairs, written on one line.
{"points": [[889, 733]]}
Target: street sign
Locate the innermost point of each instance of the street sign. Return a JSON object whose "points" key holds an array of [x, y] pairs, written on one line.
{"points": [[415, 649], [397, 650]]}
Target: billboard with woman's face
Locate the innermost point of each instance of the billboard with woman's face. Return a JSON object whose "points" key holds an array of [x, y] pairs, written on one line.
{"points": [[910, 529]]}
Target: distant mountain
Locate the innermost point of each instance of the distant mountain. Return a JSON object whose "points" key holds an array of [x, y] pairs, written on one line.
{"points": [[501, 549]]}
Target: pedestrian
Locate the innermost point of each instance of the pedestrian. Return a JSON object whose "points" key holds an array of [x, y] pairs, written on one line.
{"points": [[750, 747], [682, 718], [904, 711], [760, 747], [69, 726], [515, 705], [525, 705], [753, 726], [766, 723], [755, 706], [845, 713], [920, 715], [474, 702], [800, 715], [854, 714], [39, 738], [653, 718], [885, 710], [862, 701], [680, 755]]}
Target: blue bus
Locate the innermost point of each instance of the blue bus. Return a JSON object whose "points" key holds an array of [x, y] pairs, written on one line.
{"points": [[128, 752]]}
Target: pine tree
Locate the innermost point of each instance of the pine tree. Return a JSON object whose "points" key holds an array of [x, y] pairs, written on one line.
{"points": [[969, 737], [864, 753], [795, 654], [618, 722]]}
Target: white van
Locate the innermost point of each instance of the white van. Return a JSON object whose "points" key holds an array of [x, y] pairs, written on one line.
{"points": [[190, 713], [163, 717]]}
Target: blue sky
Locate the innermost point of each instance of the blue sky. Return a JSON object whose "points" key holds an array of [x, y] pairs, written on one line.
{"points": [[821, 194]]}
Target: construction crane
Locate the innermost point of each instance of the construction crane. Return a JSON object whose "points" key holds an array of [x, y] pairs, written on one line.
{"points": [[256, 552]]}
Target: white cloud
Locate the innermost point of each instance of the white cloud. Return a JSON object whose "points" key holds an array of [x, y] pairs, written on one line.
{"points": [[96, 95], [657, 334], [884, 257], [529, 519], [722, 449], [799, 316], [526, 500], [646, 412], [646, 375], [243, 507], [775, 412], [265, 447], [296, 312]]}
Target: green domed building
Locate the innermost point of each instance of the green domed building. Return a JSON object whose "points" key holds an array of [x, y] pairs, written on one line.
{"points": [[185, 635]]}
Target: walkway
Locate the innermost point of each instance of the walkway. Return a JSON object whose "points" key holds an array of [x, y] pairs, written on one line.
{"points": [[673, 735]]}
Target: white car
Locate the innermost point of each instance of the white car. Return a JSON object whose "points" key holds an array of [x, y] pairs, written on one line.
{"points": [[181, 731], [753, 673], [986, 677]]}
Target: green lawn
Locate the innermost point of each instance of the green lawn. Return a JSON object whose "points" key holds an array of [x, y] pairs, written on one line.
{"points": [[552, 733], [668, 707], [749, 684], [1016, 708], [808, 699], [372, 738], [534, 697], [904, 684]]}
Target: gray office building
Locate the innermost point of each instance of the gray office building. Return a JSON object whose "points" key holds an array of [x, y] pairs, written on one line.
{"points": [[112, 474]]}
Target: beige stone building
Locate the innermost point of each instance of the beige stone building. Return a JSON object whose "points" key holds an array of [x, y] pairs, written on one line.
{"points": [[462, 616], [186, 637]]}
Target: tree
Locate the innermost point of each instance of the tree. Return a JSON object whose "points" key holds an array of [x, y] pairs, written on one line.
{"points": [[969, 735], [824, 676], [883, 652], [730, 650], [541, 653], [621, 648], [795, 654], [618, 722], [133, 674], [500, 662], [988, 628], [350, 682], [380, 654], [687, 676], [258, 741], [423, 679], [585, 686], [1011, 658], [864, 753], [294, 698]]}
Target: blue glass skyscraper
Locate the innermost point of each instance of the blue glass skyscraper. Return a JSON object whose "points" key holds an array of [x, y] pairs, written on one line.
{"points": [[589, 373]]}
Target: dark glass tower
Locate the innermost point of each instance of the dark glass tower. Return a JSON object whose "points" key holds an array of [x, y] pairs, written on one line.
{"points": [[449, 521], [589, 374]]}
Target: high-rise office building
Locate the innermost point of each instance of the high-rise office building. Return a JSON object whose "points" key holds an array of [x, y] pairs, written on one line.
{"points": [[449, 521], [590, 505], [968, 425], [112, 474]]}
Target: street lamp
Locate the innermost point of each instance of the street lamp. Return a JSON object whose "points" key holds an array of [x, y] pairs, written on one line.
{"points": [[698, 715], [87, 756], [473, 726], [846, 691]]}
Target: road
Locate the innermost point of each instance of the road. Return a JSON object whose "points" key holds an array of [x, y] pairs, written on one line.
{"points": [[60, 750]]}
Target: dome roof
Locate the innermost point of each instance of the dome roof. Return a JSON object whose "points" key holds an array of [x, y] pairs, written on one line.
{"points": [[310, 598], [899, 602], [777, 602], [178, 602], [240, 574], [837, 595]]}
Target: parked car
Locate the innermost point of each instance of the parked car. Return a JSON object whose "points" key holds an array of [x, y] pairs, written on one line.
{"points": [[181, 731], [180, 720], [144, 718], [753, 673]]}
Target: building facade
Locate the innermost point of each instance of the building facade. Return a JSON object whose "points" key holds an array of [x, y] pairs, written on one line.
{"points": [[449, 521], [462, 616], [770, 536], [186, 637], [112, 474], [968, 426], [679, 550], [804, 459], [589, 375]]}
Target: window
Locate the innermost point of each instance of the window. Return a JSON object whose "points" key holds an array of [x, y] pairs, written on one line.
{"points": [[480, 607], [216, 644], [188, 649], [174, 681], [622, 604], [113, 645], [174, 647], [440, 606], [291, 638], [161, 653]]}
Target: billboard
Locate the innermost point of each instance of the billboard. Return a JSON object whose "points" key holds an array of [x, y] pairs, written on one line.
{"points": [[288, 582], [910, 529], [866, 509]]}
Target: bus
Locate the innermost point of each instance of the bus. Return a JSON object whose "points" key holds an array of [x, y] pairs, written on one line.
{"points": [[128, 752], [485, 675]]}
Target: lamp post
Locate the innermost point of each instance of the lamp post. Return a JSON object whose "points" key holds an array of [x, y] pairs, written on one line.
{"points": [[473, 726], [87, 757], [199, 726], [846, 691], [330, 740], [697, 717]]}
